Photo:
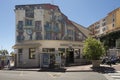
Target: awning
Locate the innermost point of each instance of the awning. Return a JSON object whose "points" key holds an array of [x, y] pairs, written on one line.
{"points": [[16, 46]]}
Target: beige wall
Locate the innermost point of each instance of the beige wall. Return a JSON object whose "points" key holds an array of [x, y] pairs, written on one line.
{"points": [[43, 44]]}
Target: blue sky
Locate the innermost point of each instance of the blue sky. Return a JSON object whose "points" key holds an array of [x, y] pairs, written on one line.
{"points": [[84, 12]]}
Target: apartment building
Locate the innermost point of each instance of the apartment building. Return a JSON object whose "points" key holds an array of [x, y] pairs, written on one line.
{"points": [[46, 37], [106, 25], [107, 30]]}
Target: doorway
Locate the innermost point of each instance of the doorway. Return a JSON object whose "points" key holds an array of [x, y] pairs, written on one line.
{"points": [[70, 56]]}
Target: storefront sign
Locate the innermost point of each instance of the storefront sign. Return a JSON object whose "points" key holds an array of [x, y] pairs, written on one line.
{"points": [[74, 45]]}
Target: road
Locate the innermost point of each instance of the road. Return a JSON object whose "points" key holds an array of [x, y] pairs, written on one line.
{"points": [[34, 75]]}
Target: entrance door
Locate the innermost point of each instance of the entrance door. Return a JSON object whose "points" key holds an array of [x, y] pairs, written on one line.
{"points": [[71, 57], [45, 60]]}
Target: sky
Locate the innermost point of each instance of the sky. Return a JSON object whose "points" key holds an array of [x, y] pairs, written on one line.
{"points": [[83, 12]]}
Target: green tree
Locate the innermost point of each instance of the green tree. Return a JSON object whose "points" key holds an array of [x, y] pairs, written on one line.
{"points": [[12, 54], [93, 49], [4, 52]]}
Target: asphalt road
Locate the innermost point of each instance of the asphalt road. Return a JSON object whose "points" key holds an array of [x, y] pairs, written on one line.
{"points": [[34, 75]]}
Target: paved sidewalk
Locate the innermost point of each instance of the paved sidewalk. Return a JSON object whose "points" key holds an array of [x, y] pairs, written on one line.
{"points": [[79, 68], [88, 68]]}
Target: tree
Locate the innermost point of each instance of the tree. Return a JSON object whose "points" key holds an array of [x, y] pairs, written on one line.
{"points": [[12, 54], [93, 49], [4, 52]]}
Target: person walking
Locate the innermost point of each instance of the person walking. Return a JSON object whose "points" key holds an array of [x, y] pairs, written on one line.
{"points": [[8, 63]]}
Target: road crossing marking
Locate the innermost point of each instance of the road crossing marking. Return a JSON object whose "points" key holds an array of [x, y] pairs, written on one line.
{"points": [[115, 76]]}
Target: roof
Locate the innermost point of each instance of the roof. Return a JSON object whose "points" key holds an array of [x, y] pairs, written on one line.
{"points": [[84, 30]]}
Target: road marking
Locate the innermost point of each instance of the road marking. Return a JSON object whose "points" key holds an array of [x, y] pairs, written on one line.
{"points": [[54, 75], [21, 73]]}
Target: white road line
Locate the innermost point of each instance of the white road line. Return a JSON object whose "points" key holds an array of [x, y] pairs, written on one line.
{"points": [[21, 73], [54, 75]]}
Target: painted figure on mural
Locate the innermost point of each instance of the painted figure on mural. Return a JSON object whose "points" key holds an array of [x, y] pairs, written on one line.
{"points": [[30, 33]]}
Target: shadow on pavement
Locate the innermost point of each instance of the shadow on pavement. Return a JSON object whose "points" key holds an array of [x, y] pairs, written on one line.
{"points": [[103, 69], [52, 70]]}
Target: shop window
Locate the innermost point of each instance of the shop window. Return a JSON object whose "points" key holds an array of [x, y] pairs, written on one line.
{"points": [[31, 53], [77, 53]]}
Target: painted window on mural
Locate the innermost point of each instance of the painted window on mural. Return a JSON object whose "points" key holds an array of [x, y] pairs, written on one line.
{"points": [[38, 26], [20, 25], [20, 36], [28, 22], [56, 36], [47, 26], [70, 32], [56, 28], [38, 36], [31, 53], [48, 36], [29, 12]]}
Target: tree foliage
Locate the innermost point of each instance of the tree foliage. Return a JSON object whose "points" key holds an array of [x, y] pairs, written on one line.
{"points": [[93, 49], [109, 40], [4, 52]]}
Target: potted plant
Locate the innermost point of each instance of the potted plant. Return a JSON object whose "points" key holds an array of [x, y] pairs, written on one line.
{"points": [[93, 50]]}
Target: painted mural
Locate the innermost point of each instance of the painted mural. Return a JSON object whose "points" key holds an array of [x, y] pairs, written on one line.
{"points": [[56, 27], [20, 36]]}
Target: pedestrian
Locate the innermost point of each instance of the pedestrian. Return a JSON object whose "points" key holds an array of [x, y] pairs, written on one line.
{"points": [[8, 63], [2, 64]]}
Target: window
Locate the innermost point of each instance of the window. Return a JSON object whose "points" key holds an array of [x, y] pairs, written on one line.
{"points": [[19, 50], [28, 22], [103, 24], [77, 53], [20, 25], [56, 28], [113, 25], [48, 36], [38, 36], [29, 12], [38, 26], [113, 20], [31, 53]]}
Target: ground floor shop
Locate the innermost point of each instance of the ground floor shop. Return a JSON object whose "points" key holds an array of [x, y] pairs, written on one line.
{"points": [[47, 53]]}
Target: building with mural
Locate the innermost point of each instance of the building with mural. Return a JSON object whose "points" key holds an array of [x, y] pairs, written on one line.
{"points": [[46, 37]]}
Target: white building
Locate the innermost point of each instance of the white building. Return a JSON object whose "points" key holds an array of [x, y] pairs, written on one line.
{"points": [[43, 33]]}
